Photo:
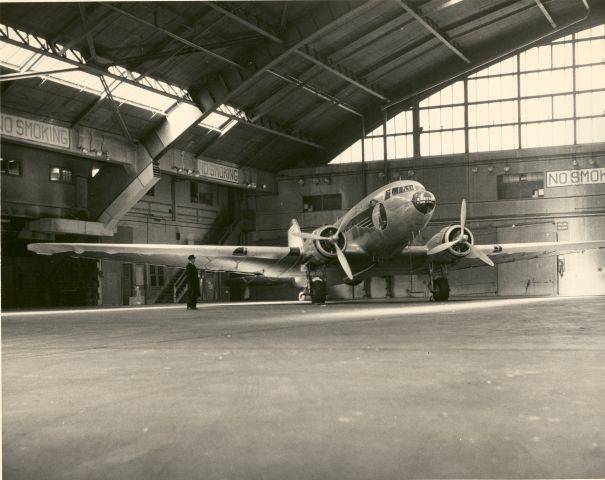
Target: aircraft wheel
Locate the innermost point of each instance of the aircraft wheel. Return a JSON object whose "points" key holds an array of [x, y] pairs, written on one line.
{"points": [[441, 290], [303, 296], [318, 290]]}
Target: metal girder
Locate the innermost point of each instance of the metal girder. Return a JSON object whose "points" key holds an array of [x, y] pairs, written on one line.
{"points": [[275, 128], [342, 72], [306, 52], [248, 21], [434, 29], [546, 14], [172, 35], [325, 96], [23, 75], [114, 105], [89, 39], [324, 18]]}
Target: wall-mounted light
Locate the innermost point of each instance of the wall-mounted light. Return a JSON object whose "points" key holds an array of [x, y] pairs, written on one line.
{"points": [[316, 181], [592, 161], [301, 181], [410, 173], [574, 162], [327, 180], [474, 169], [506, 168], [380, 174], [264, 186], [490, 168]]}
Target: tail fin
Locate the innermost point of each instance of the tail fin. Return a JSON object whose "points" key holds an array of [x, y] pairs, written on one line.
{"points": [[293, 240]]}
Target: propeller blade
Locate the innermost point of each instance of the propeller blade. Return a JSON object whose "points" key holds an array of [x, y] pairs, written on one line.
{"points": [[442, 247], [476, 253], [462, 215], [343, 262]]}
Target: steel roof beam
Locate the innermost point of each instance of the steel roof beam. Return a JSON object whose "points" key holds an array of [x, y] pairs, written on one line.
{"points": [[275, 128], [222, 88], [428, 24], [307, 53], [116, 110], [315, 91], [338, 70], [23, 75], [171, 34], [248, 21], [546, 14]]}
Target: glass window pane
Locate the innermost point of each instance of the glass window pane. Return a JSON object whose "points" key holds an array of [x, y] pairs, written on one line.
{"points": [[458, 92], [590, 78], [510, 137], [591, 130], [536, 109], [530, 84], [562, 55], [447, 143], [544, 57], [458, 141], [561, 81], [457, 117], [55, 174], [563, 106]]}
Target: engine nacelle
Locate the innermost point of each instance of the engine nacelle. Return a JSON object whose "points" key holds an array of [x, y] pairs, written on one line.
{"points": [[322, 251], [449, 234]]}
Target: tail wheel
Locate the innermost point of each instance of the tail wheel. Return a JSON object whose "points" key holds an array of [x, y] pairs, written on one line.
{"points": [[318, 290], [441, 290]]}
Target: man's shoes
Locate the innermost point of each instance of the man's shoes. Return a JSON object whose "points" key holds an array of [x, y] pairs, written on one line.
{"points": [[192, 308]]}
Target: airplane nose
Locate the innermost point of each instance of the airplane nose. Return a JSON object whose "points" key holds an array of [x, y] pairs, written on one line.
{"points": [[424, 202]]}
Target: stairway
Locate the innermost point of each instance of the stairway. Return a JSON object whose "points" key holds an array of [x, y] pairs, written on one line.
{"points": [[175, 290]]}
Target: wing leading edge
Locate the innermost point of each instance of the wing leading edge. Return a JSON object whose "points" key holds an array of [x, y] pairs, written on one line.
{"points": [[257, 260]]}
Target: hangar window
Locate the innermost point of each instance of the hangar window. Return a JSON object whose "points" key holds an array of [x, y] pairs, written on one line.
{"points": [[521, 185], [11, 167], [58, 174], [314, 203], [199, 195], [156, 274]]}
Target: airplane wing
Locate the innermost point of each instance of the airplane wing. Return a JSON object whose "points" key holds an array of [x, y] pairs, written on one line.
{"points": [[510, 252], [255, 260]]}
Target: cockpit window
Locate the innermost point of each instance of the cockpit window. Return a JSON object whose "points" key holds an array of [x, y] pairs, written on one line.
{"points": [[403, 189], [387, 194]]}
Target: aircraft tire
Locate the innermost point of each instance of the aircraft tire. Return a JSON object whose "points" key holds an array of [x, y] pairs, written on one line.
{"points": [[318, 291], [441, 290]]}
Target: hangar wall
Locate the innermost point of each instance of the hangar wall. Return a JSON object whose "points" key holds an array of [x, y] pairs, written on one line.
{"points": [[573, 212]]}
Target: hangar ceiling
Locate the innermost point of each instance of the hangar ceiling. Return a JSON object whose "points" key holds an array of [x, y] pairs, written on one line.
{"points": [[298, 76]]}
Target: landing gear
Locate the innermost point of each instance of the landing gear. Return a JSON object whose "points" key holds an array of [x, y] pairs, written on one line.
{"points": [[439, 284], [316, 289], [441, 290]]}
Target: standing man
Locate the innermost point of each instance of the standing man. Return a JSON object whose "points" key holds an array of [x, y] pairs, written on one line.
{"points": [[193, 284]]}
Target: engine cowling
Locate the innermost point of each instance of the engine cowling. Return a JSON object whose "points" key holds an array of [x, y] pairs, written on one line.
{"points": [[456, 251], [322, 251]]}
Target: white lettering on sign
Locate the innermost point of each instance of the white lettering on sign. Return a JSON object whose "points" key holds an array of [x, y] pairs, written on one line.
{"points": [[39, 132], [565, 178], [218, 172]]}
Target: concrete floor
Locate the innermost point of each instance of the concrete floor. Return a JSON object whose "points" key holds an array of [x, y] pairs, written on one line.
{"points": [[469, 389]]}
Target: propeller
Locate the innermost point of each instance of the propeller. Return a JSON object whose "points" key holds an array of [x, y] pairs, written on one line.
{"points": [[333, 239], [462, 238]]}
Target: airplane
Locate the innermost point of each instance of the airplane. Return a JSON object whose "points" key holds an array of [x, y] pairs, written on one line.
{"points": [[374, 238]]}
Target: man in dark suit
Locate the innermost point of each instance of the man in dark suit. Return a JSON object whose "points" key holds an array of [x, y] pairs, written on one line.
{"points": [[193, 284]]}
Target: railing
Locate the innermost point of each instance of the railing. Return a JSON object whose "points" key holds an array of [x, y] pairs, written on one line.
{"points": [[179, 287], [229, 230]]}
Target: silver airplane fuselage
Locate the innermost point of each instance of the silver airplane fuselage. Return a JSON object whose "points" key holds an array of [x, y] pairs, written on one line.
{"points": [[389, 218]]}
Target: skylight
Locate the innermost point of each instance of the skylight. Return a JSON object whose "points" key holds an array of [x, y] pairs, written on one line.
{"points": [[24, 61]]}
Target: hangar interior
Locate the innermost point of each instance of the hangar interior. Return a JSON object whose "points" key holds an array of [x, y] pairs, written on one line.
{"points": [[219, 122]]}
